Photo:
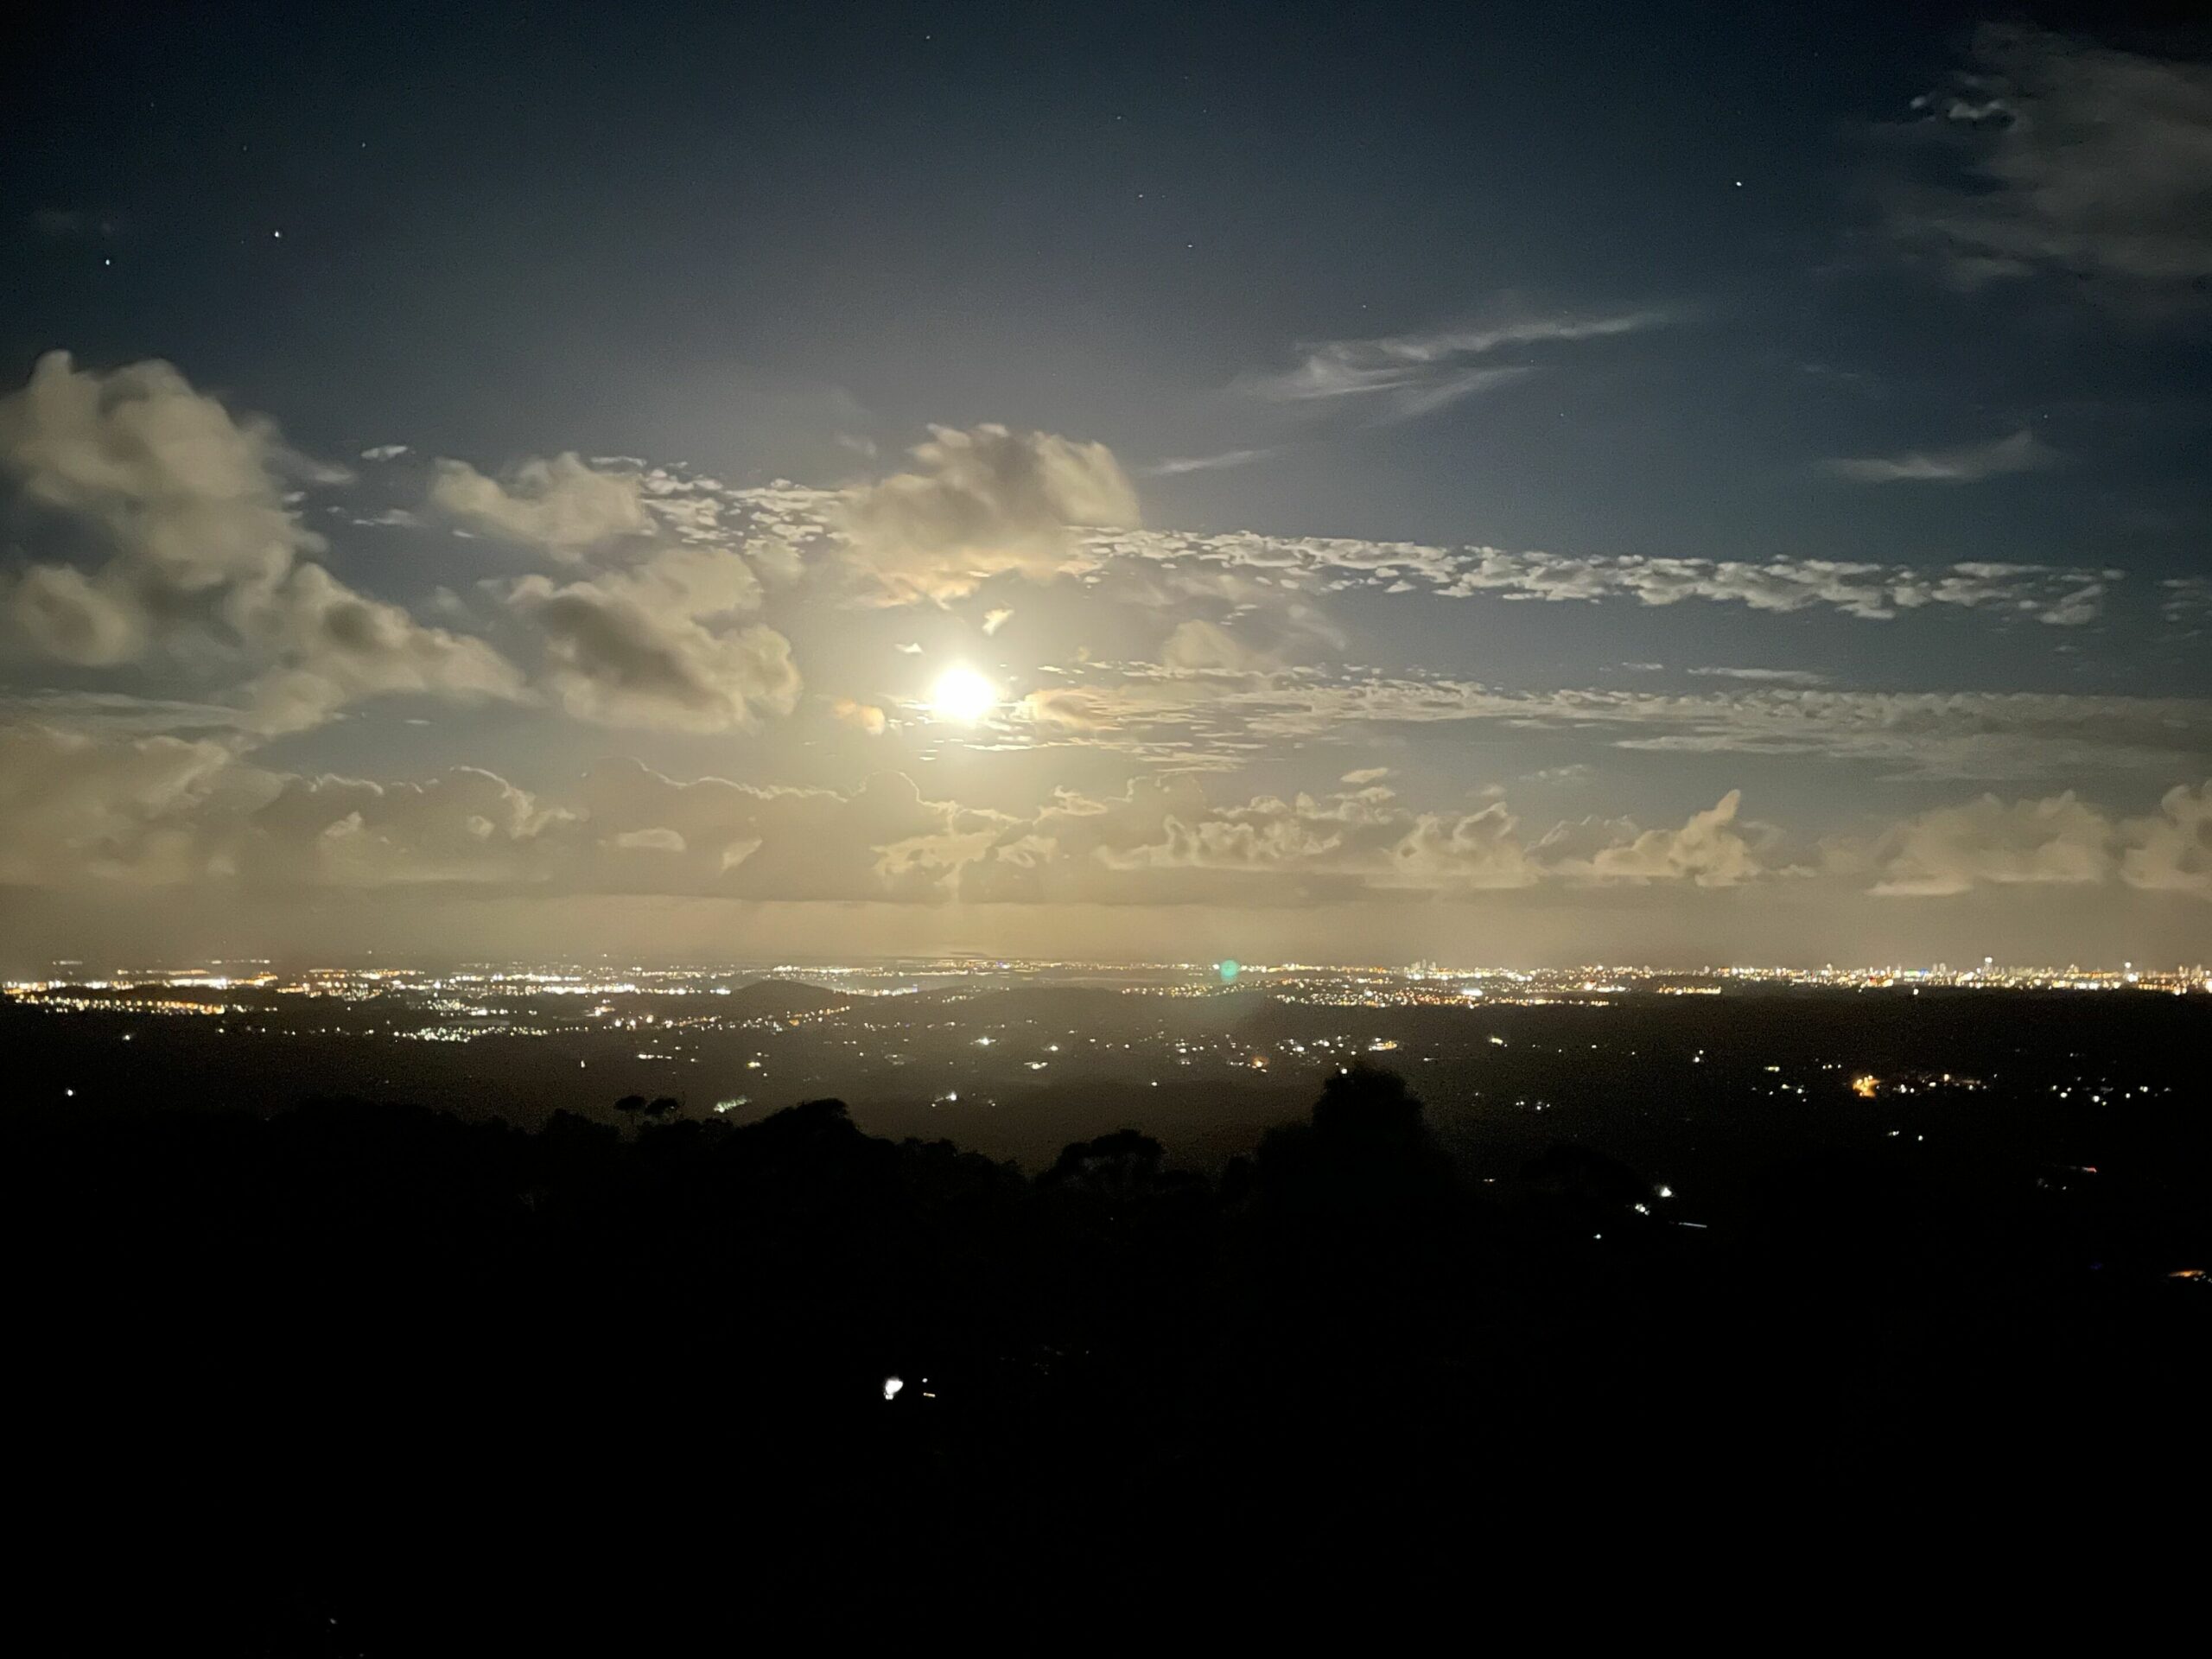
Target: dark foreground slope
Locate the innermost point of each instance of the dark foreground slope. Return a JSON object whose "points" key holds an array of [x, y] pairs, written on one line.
{"points": [[364, 1378]]}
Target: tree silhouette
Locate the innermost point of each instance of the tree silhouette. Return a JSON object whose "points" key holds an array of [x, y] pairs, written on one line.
{"points": [[1125, 1157]]}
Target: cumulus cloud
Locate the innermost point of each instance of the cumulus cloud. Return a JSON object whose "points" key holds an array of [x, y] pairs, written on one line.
{"points": [[1710, 850], [190, 505], [860, 716], [662, 645], [979, 503], [1969, 463], [79, 809], [1163, 842], [90, 622], [2050, 155], [1989, 842], [562, 507], [188, 497], [882, 841], [75, 808], [2171, 850], [463, 826], [334, 646]]}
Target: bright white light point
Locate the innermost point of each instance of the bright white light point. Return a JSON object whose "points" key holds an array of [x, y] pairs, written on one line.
{"points": [[891, 1387], [1666, 1191], [962, 695]]}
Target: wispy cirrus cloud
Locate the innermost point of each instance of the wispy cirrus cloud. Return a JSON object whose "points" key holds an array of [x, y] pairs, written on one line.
{"points": [[2188, 601], [1801, 677], [1966, 463], [1177, 466], [2050, 155], [1395, 378]]}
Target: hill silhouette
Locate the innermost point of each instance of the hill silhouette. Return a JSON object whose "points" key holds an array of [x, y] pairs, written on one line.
{"points": [[444, 1385]]}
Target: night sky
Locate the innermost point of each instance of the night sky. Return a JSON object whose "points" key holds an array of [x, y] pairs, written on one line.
{"points": [[1515, 483]]}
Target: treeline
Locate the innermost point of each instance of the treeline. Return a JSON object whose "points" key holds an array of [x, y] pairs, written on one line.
{"points": [[459, 1386]]}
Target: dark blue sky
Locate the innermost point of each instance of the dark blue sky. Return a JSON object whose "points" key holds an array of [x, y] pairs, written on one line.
{"points": [[726, 233]]}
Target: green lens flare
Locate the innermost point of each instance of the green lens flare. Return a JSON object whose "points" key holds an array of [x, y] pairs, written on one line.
{"points": [[1229, 971]]}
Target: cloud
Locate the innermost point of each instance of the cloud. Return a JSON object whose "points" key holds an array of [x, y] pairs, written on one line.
{"points": [[81, 809], [466, 826], [2058, 840], [1964, 735], [1197, 644], [660, 646], [860, 716], [1365, 776], [983, 502], [994, 620], [92, 622], [1756, 675], [561, 506], [1162, 841], [2058, 594], [334, 646], [1709, 850], [1404, 377], [882, 841], [779, 521], [74, 223], [2188, 601], [186, 497], [2171, 852], [2023, 452], [2052, 156], [189, 505], [1069, 708], [1222, 463], [75, 809]]}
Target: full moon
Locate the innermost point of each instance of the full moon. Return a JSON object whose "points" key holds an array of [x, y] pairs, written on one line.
{"points": [[962, 695]]}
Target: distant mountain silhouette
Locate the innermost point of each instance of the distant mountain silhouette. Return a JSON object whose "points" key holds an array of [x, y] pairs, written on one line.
{"points": [[782, 998]]}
